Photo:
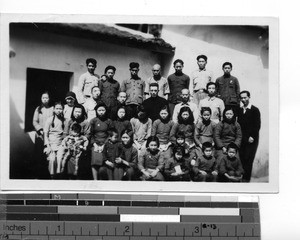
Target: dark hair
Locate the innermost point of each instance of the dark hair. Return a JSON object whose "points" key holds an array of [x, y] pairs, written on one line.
{"points": [[121, 107], [153, 84], [62, 119], [91, 60], [227, 108], [206, 145], [166, 108], [202, 56], [129, 133], [152, 139], [112, 132], [245, 91], [203, 109], [134, 65], [95, 87], [227, 63], [76, 127], [71, 94], [178, 149], [110, 67], [210, 83], [41, 105], [101, 104], [140, 108], [190, 120], [178, 61], [180, 134], [232, 145], [83, 115]]}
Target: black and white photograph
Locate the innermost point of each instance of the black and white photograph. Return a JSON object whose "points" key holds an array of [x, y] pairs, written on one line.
{"points": [[139, 104]]}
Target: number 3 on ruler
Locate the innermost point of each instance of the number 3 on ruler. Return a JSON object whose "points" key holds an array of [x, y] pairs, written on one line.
{"points": [[197, 229]]}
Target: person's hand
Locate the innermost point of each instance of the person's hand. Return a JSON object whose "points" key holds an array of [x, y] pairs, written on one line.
{"points": [[251, 140], [147, 175], [118, 160], [96, 147], [203, 172], [174, 174], [100, 149], [215, 173], [109, 163], [224, 150], [154, 173], [40, 132]]}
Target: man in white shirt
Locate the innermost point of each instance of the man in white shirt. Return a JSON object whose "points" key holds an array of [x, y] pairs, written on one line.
{"points": [[185, 97], [214, 103]]}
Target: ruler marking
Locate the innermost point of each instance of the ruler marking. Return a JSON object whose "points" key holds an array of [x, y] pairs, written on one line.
{"points": [[252, 232], [167, 230], [81, 230]]}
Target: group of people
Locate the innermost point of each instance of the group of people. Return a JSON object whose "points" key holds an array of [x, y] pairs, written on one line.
{"points": [[178, 128]]}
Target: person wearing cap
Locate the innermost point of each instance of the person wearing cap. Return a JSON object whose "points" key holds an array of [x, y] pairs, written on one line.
{"points": [[162, 82], [87, 81], [70, 102], [134, 88], [199, 79], [110, 88]]}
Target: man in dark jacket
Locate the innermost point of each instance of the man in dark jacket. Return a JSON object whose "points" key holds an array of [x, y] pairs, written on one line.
{"points": [[249, 119]]}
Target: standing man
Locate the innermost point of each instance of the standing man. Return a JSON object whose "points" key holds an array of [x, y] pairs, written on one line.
{"points": [[249, 119], [87, 81], [199, 79], [91, 103], [162, 82], [185, 101], [155, 103], [134, 88], [214, 103], [228, 87], [177, 81], [110, 88]]}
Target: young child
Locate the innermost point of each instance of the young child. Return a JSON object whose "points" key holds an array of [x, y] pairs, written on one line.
{"points": [[231, 169], [100, 126], [74, 144], [151, 162], [110, 152], [53, 135], [162, 128], [204, 130], [141, 127], [177, 168], [205, 167], [121, 123], [227, 131], [126, 164]]}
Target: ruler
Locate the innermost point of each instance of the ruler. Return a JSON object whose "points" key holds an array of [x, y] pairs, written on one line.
{"points": [[128, 217]]}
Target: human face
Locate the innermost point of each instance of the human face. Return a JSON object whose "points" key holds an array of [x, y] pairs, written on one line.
{"points": [[178, 155], [101, 111], [180, 141], [121, 113], [153, 146], [227, 69], [178, 67], [229, 114], [206, 115], [134, 72], [95, 93], [58, 110], [125, 139], [70, 101], [153, 92], [207, 152], [185, 115], [114, 138], [163, 114], [156, 70], [45, 99], [245, 99], [185, 95], [122, 97], [91, 68], [201, 63], [231, 152], [77, 113], [110, 73], [211, 90]]}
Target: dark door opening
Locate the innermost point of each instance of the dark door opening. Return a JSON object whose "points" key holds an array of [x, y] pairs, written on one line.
{"points": [[57, 83]]}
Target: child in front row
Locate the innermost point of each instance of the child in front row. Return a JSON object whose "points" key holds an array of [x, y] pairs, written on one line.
{"points": [[205, 167], [72, 146], [151, 161], [231, 169], [177, 168]]}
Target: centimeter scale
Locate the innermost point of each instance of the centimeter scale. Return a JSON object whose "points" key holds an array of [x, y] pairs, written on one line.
{"points": [[128, 217]]}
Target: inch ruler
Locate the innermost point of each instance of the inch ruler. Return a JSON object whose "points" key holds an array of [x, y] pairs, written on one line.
{"points": [[128, 217]]}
